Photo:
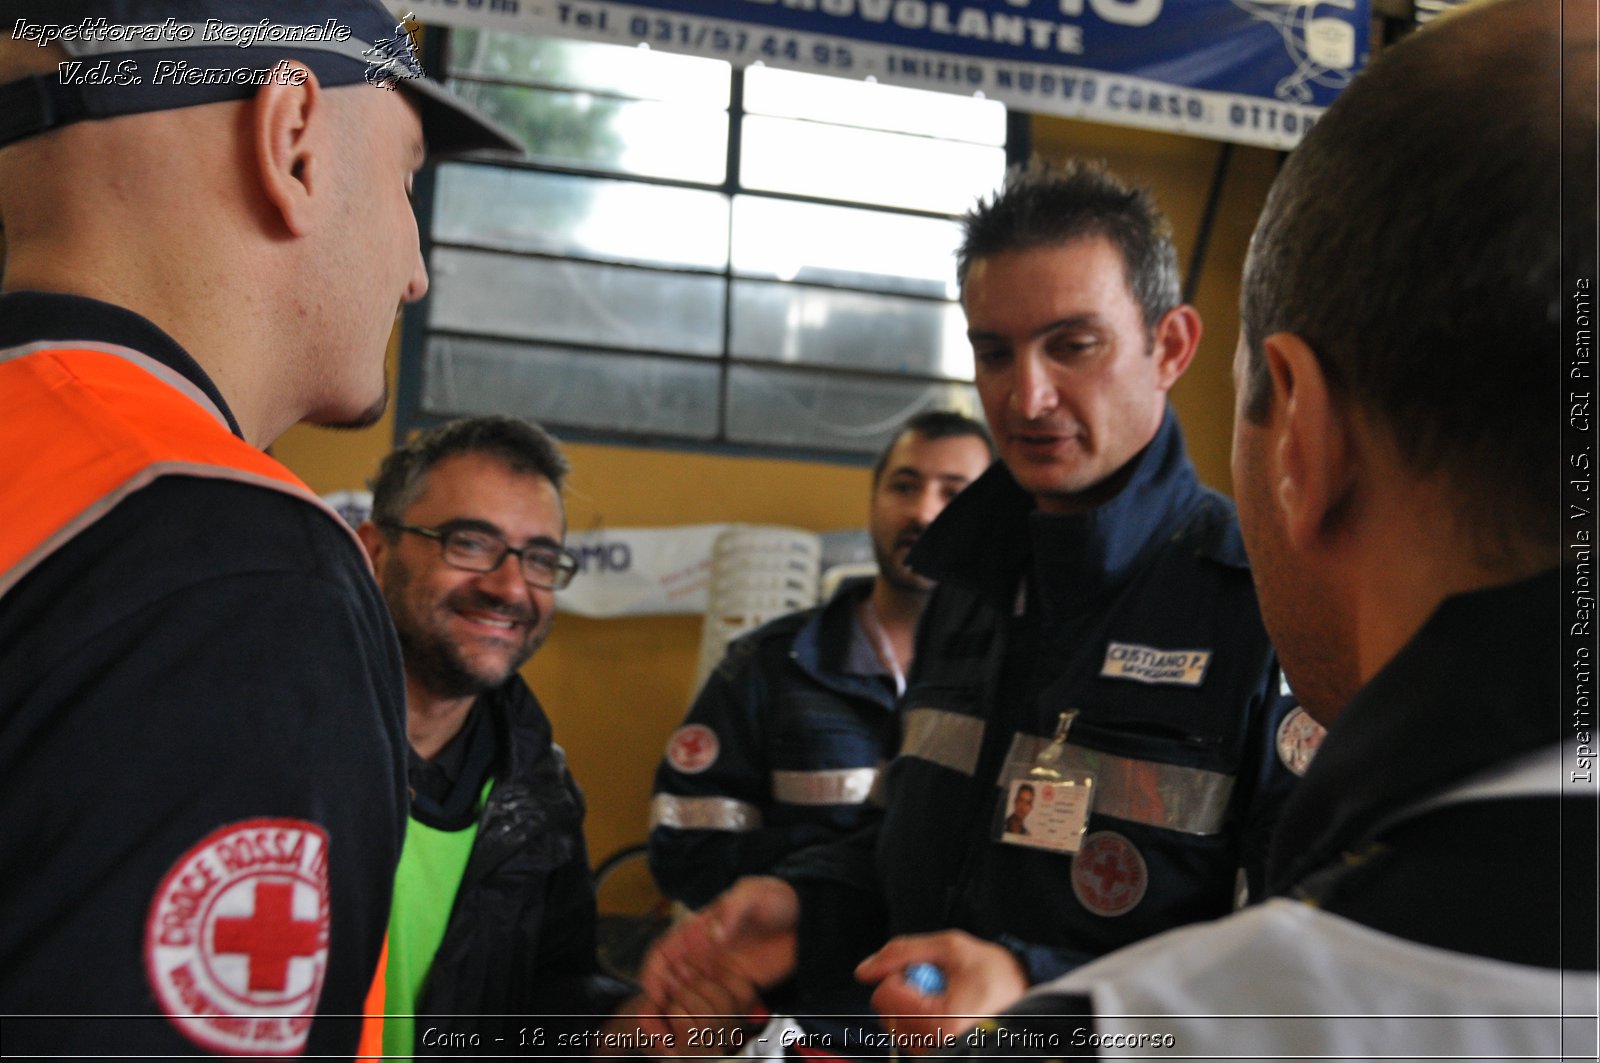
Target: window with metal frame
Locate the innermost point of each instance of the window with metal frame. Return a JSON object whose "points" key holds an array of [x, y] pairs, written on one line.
{"points": [[696, 254]]}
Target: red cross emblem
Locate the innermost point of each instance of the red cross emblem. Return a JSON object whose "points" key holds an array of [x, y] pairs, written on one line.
{"points": [[1109, 875], [270, 937], [1299, 738], [236, 942], [693, 748]]}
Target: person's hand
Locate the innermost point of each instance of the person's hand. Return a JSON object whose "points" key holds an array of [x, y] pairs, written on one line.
{"points": [[716, 962], [981, 979]]}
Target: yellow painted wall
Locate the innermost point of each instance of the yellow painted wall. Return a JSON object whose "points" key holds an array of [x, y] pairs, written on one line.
{"points": [[616, 688]]}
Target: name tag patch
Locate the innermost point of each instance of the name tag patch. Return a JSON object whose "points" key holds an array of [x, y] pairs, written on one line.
{"points": [[1146, 664]]}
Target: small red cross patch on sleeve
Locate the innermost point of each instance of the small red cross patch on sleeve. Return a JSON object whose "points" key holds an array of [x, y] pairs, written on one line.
{"points": [[693, 748], [236, 942]]}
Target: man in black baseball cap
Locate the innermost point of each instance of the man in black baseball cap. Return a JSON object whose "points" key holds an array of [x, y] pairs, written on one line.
{"points": [[208, 237], [130, 56]]}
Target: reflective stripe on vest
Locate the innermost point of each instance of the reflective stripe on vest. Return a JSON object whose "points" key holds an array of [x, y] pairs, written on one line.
{"points": [[703, 813], [841, 786], [1171, 796], [949, 739], [86, 425]]}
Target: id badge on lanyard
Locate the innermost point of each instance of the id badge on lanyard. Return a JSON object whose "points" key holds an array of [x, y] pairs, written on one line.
{"points": [[1046, 807]]}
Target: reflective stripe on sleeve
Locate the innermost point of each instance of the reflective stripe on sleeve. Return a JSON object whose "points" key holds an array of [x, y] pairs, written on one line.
{"points": [[842, 786], [948, 739], [160, 370], [1191, 800], [703, 813]]}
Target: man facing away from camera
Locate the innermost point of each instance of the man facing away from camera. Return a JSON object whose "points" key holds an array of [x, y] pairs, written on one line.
{"points": [[1398, 458], [201, 708]]}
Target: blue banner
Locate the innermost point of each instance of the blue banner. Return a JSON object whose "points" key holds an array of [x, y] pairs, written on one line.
{"points": [[1249, 71]]}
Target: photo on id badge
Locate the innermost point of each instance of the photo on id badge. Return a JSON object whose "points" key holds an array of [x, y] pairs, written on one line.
{"points": [[1049, 814]]}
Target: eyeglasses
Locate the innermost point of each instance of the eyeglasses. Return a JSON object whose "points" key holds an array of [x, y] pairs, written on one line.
{"points": [[473, 550]]}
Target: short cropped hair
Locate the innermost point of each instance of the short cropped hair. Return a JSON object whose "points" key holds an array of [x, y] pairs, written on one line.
{"points": [[1043, 204], [523, 446], [933, 424], [1414, 242]]}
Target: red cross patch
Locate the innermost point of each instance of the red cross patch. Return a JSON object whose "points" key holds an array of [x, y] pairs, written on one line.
{"points": [[1109, 875], [1299, 738], [236, 942], [693, 748]]}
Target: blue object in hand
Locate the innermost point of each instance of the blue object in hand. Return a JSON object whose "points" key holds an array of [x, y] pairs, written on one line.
{"points": [[925, 978]]}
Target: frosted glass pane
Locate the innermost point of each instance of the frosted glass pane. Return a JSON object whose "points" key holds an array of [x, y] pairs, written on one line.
{"points": [[830, 411], [609, 68], [587, 217], [819, 326], [575, 302], [892, 169], [636, 394], [604, 133], [793, 94], [786, 240]]}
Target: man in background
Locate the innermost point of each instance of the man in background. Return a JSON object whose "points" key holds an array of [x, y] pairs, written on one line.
{"points": [[783, 745], [1399, 457], [200, 697], [494, 909]]}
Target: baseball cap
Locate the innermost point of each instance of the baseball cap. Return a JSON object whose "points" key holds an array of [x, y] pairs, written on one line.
{"points": [[133, 56]]}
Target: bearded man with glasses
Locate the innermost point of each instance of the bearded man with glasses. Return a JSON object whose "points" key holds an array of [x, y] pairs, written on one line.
{"points": [[494, 913]]}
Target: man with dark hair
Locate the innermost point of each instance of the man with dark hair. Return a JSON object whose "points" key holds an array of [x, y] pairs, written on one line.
{"points": [[1047, 205], [200, 697], [1437, 864], [494, 910], [519, 445], [782, 747], [1094, 632]]}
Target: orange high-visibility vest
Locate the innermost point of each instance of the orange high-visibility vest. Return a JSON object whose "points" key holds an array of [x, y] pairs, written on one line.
{"points": [[371, 1045], [83, 427]]}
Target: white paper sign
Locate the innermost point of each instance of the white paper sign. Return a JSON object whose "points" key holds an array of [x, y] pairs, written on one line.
{"points": [[640, 571]]}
